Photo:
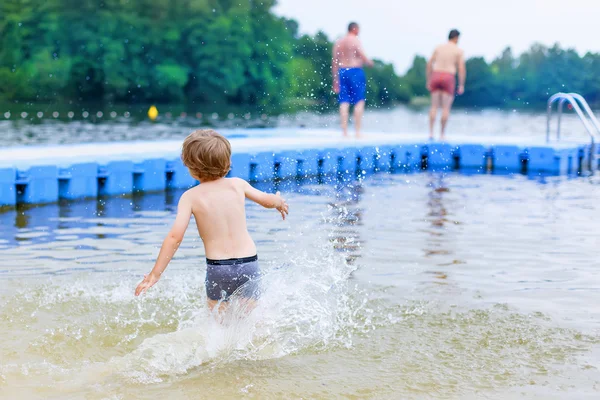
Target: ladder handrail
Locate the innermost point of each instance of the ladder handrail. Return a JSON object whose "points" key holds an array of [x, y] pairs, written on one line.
{"points": [[587, 109], [564, 97]]}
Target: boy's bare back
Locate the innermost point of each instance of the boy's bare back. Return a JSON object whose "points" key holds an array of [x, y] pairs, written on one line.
{"points": [[219, 210]]}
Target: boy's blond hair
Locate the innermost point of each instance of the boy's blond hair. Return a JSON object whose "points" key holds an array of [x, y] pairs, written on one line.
{"points": [[206, 154]]}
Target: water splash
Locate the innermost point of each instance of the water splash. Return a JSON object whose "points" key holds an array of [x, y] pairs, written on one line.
{"points": [[306, 305]]}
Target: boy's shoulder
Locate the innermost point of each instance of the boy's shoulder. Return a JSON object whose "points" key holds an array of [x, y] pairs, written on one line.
{"points": [[237, 181]]}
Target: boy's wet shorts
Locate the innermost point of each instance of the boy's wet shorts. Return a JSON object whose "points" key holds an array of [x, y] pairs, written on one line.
{"points": [[235, 275]]}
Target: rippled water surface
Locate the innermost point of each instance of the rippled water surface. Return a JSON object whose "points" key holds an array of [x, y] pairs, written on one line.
{"points": [[399, 286]]}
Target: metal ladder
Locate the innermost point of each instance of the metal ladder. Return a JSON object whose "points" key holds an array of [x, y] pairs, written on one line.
{"points": [[589, 120]]}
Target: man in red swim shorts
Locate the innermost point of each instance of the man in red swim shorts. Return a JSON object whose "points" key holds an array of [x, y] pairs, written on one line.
{"points": [[446, 61]]}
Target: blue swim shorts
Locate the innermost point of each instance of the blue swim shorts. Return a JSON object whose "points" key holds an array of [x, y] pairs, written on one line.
{"points": [[353, 85]]}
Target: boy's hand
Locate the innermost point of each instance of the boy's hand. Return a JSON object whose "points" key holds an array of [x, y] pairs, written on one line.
{"points": [[147, 283], [282, 206]]}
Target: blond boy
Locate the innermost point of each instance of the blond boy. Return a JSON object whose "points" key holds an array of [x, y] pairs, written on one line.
{"points": [[218, 208]]}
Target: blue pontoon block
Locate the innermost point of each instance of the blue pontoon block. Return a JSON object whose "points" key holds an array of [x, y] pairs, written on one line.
{"points": [[413, 157], [78, 181], [507, 158], [288, 164], [547, 159], [401, 157], [116, 178], [440, 156], [594, 158], [348, 160], [262, 166], [308, 163], [38, 185], [572, 157], [180, 177], [585, 154], [240, 166], [472, 156], [329, 159], [368, 159], [8, 190], [150, 175], [384, 158]]}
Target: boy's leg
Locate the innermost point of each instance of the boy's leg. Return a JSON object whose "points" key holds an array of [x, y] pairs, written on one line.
{"points": [[245, 304], [213, 303]]}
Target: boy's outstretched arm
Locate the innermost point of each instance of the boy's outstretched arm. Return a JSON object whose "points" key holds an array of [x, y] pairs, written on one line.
{"points": [[265, 199], [170, 244]]}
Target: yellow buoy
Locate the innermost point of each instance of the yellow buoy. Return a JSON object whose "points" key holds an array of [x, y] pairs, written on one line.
{"points": [[152, 113]]}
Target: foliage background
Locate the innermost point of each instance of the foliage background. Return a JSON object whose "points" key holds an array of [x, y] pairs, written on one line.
{"points": [[234, 52]]}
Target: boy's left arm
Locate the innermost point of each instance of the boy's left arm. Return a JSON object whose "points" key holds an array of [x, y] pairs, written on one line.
{"points": [[170, 244]]}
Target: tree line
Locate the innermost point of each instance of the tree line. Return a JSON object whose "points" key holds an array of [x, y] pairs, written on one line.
{"points": [[231, 52]]}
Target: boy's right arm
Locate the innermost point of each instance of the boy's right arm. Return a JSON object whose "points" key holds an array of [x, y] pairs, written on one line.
{"points": [[265, 199], [170, 244]]}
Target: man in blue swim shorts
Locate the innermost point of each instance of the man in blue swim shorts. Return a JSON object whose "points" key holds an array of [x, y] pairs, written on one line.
{"points": [[349, 80]]}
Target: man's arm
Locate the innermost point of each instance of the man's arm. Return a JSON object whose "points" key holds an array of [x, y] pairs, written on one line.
{"points": [[361, 53], [170, 244], [462, 73], [335, 66], [429, 70], [265, 199]]}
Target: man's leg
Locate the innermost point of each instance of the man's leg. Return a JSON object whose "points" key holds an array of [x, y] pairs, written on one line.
{"points": [[436, 102], [447, 100], [344, 113], [359, 110]]}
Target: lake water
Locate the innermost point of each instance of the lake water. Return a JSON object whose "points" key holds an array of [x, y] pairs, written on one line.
{"points": [[38, 126], [440, 286]]}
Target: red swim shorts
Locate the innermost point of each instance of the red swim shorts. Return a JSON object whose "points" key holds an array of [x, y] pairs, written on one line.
{"points": [[444, 81]]}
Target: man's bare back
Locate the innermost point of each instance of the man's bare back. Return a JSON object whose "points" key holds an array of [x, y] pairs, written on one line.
{"points": [[348, 52], [447, 58]]}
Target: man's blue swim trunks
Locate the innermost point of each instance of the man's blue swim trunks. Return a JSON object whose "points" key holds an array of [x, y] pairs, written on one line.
{"points": [[353, 85]]}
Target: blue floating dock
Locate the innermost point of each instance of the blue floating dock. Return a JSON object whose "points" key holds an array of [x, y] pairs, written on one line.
{"points": [[45, 174]]}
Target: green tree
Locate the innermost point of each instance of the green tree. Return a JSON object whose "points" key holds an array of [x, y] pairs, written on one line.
{"points": [[416, 77], [231, 51], [384, 86], [480, 86]]}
